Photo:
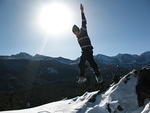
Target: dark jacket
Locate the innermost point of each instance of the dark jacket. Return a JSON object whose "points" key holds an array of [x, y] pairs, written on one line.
{"points": [[83, 38]]}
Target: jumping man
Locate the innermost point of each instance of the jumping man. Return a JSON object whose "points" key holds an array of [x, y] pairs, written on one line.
{"points": [[87, 49]]}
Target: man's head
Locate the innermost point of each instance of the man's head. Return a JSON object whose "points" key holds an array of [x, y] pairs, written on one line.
{"points": [[76, 30]]}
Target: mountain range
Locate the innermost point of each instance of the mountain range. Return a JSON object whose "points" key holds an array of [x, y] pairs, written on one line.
{"points": [[120, 59]]}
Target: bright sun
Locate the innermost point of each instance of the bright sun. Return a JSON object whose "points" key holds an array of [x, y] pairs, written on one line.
{"points": [[55, 18]]}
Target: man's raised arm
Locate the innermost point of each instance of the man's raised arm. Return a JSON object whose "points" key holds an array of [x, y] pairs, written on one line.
{"points": [[83, 18]]}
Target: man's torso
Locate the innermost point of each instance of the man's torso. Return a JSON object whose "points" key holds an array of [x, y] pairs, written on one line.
{"points": [[84, 40]]}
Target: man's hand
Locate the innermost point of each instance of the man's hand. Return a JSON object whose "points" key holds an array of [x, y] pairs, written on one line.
{"points": [[82, 8]]}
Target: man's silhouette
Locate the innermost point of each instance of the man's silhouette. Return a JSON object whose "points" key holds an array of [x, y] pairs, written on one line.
{"points": [[87, 49]]}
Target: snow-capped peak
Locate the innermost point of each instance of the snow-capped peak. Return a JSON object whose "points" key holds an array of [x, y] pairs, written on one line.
{"points": [[21, 55]]}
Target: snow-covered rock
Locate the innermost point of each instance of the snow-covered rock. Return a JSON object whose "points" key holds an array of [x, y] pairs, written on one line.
{"points": [[122, 94], [146, 109], [119, 98]]}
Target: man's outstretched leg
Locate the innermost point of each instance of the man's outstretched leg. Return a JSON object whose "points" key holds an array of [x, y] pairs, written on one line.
{"points": [[82, 77], [93, 64]]}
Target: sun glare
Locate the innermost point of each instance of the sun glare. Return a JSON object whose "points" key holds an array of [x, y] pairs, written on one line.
{"points": [[55, 18]]}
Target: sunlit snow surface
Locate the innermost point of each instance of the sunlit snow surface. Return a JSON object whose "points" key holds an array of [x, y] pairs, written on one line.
{"points": [[119, 98]]}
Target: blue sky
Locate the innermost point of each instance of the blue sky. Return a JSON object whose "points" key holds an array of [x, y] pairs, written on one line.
{"points": [[114, 26]]}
